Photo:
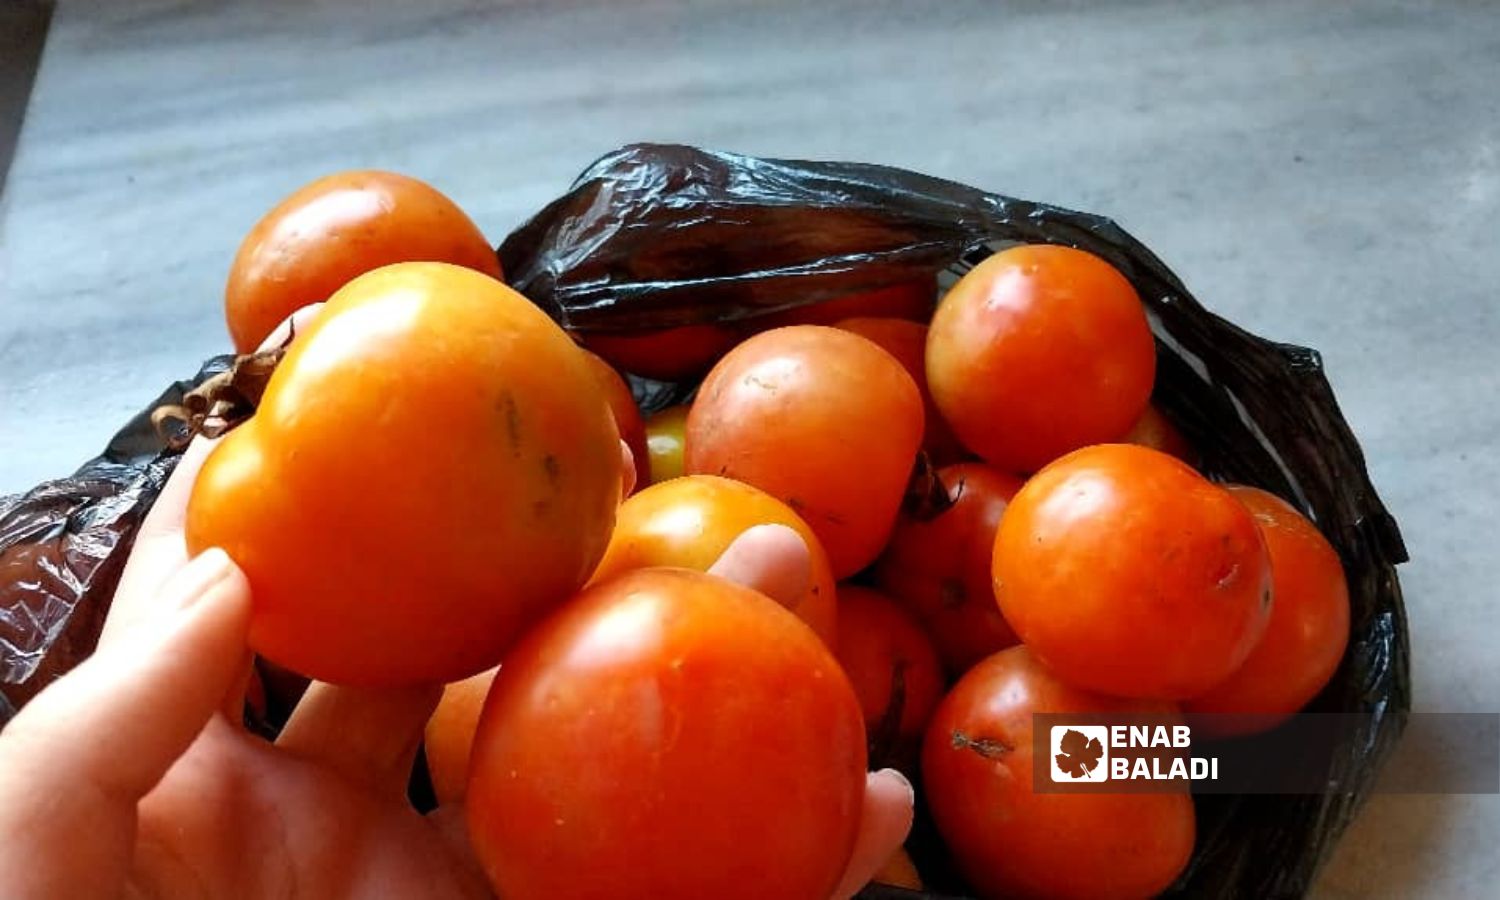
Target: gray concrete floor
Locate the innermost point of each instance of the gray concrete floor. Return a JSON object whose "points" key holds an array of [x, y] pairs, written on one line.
{"points": [[1325, 174]]}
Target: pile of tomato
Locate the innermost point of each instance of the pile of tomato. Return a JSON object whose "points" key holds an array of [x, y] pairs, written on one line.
{"points": [[998, 523]]}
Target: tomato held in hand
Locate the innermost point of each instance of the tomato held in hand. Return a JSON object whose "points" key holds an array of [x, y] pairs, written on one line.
{"points": [[1010, 841], [894, 670], [939, 567], [907, 341], [670, 735], [671, 354], [664, 442], [1038, 351], [912, 300], [449, 736], [821, 419], [333, 229], [1307, 634], [627, 415], [689, 522], [408, 497], [1128, 573]]}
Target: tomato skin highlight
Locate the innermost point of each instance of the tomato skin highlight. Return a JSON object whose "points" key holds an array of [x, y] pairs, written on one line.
{"points": [[320, 237], [665, 437], [1128, 573], [823, 420], [430, 470], [1010, 841], [1038, 351], [667, 734], [1305, 639]]}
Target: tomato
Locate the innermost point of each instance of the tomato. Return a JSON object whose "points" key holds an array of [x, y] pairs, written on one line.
{"points": [[664, 441], [671, 354], [333, 229], [671, 735], [939, 568], [911, 300], [821, 419], [1128, 573], [627, 414], [406, 499], [449, 737], [1156, 431], [899, 871], [1011, 841], [1038, 351], [689, 522], [1305, 639], [894, 670], [907, 341]]}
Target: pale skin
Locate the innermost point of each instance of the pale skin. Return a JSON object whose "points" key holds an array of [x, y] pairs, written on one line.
{"points": [[133, 776]]}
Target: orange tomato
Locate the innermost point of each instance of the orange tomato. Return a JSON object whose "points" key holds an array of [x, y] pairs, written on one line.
{"points": [[1009, 840], [689, 522], [821, 419], [907, 341], [627, 415], [894, 670], [671, 354], [668, 735], [449, 737], [406, 499], [664, 442], [1156, 431], [939, 568], [333, 229], [1038, 351], [1128, 573], [1306, 637], [911, 300]]}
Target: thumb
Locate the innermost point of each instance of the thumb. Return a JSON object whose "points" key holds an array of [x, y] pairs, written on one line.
{"points": [[78, 758]]}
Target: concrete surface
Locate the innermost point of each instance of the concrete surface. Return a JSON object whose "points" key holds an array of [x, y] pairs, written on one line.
{"points": [[1325, 174]]}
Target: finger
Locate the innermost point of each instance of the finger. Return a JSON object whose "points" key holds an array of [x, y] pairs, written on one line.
{"points": [[627, 463], [369, 735], [772, 559], [449, 821], [290, 327], [78, 758], [883, 826]]}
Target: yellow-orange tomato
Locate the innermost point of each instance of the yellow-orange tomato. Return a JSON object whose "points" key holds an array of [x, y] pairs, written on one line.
{"points": [[406, 499], [912, 300], [664, 440], [907, 341], [671, 354], [333, 229], [939, 567], [899, 871], [449, 737], [894, 670], [1307, 634], [1156, 431], [689, 522], [821, 419], [1128, 573], [627, 414], [1038, 351], [667, 735]]}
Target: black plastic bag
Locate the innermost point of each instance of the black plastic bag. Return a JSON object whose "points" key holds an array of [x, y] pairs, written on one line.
{"points": [[656, 236]]}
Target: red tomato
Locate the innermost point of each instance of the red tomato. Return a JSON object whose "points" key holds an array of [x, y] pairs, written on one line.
{"points": [[1305, 639], [1038, 351], [668, 735], [912, 300], [333, 229], [449, 736], [406, 499], [689, 522], [664, 442], [940, 567], [627, 415], [907, 341], [1128, 573], [672, 354], [891, 663], [821, 419], [1156, 431], [1010, 841]]}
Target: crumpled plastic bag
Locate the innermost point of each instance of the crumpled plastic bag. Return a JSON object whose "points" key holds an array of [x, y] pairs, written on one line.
{"points": [[654, 236]]}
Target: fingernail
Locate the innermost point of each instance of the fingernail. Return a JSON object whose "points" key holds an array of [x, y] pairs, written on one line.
{"points": [[197, 578], [905, 782]]}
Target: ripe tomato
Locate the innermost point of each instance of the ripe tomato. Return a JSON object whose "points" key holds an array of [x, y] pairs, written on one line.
{"points": [[406, 499], [449, 737], [1038, 351], [1009, 840], [671, 735], [911, 300], [907, 341], [1305, 639], [894, 670], [627, 415], [672, 354], [333, 229], [1156, 431], [940, 568], [1128, 573], [689, 522], [821, 419], [664, 440]]}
